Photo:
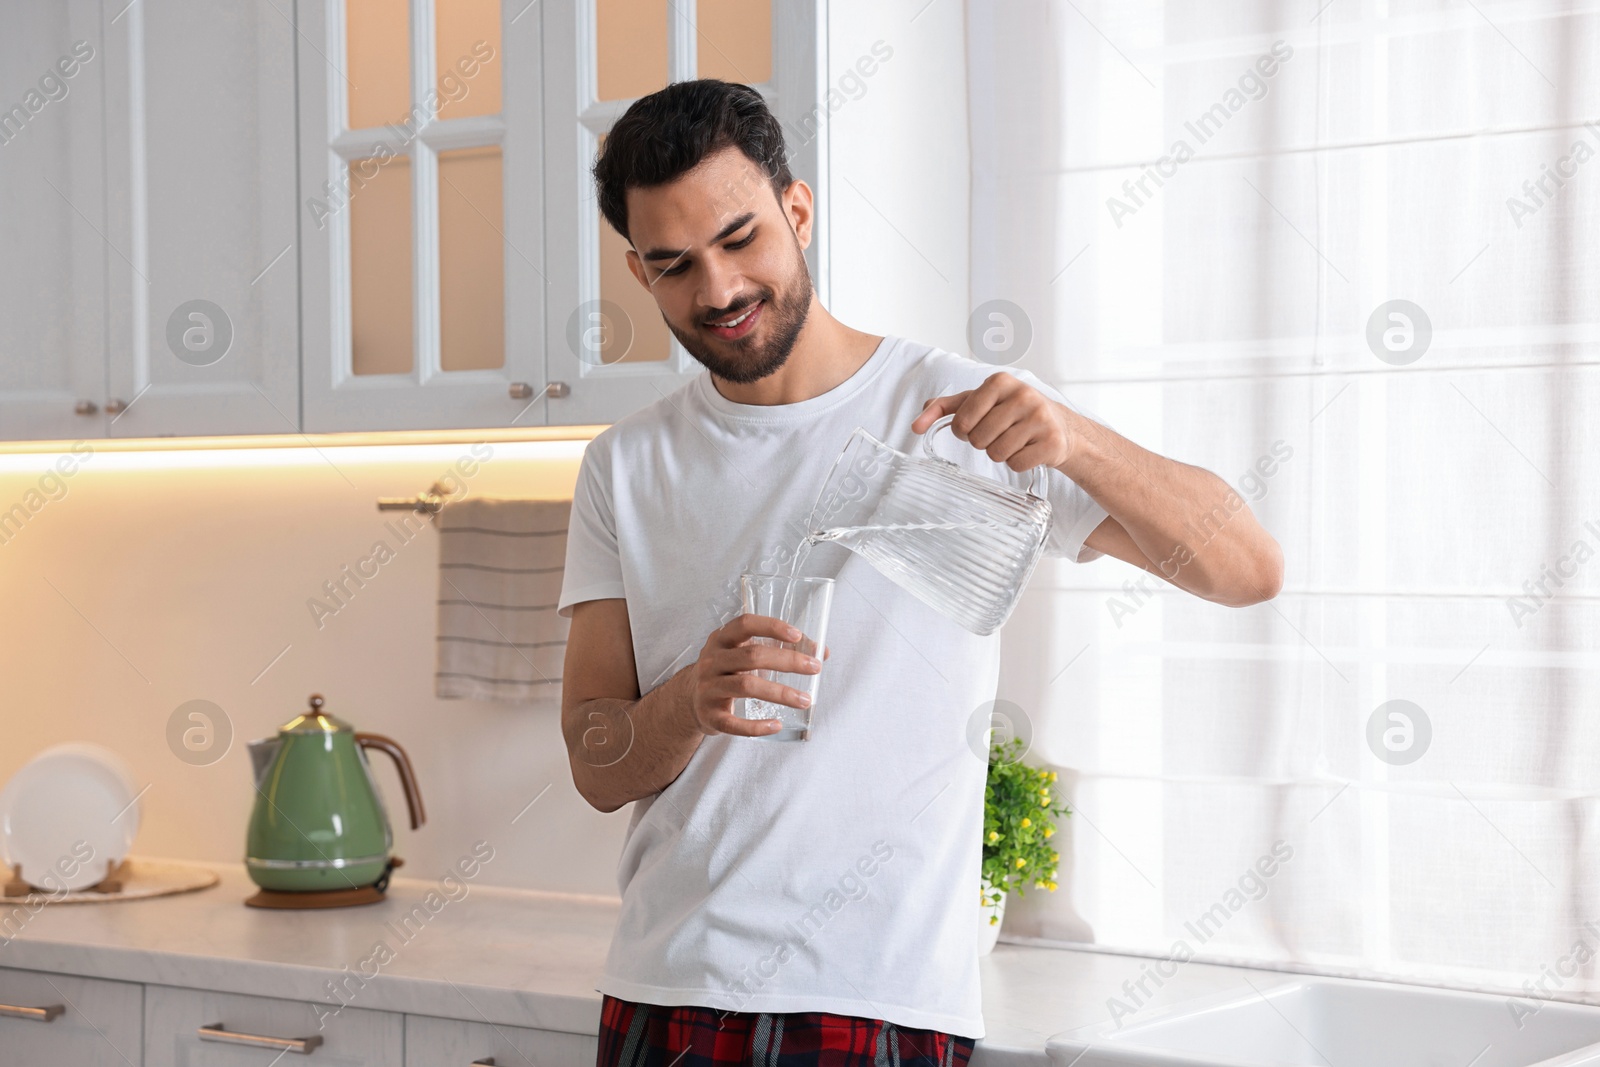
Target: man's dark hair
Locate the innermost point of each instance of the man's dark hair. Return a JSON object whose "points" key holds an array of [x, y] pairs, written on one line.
{"points": [[664, 135]]}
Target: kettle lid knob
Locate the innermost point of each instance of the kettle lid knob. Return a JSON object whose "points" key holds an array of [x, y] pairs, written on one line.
{"points": [[315, 720]]}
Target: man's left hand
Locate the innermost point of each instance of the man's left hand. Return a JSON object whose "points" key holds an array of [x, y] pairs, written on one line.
{"points": [[1011, 421]]}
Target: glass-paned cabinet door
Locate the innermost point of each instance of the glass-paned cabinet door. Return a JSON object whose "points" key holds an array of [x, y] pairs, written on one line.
{"points": [[199, 233], [422, 214], [609, 352]]}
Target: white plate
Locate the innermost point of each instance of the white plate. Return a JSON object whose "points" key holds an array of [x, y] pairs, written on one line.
{"points": [[69, 816]]}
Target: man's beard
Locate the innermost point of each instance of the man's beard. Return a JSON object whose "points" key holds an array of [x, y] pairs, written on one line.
{"points": [[784, 317]]}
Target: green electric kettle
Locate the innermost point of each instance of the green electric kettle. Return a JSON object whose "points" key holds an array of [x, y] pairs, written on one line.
{"points": [[319, 825]]}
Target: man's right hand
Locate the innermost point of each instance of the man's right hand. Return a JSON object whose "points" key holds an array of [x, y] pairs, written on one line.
{"points": [[726, 670]]}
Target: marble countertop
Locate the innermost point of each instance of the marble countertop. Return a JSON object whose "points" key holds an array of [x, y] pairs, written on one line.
{"points": [[507, 956]]}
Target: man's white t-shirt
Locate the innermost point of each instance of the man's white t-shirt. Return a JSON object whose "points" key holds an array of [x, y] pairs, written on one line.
{"points": [[840, 873]]}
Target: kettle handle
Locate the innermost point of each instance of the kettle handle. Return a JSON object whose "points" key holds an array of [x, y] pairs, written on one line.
{"points": [[944, 424], [402, 763]]}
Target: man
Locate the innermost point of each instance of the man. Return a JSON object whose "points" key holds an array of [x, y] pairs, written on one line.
{"points": [[811, 899]]}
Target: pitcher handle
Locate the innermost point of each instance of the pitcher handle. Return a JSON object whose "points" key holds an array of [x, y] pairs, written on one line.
{"points": [[408, 779], [944, 424]]}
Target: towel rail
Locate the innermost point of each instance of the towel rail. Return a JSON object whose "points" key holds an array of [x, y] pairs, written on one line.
{"points": [[424, 503]]}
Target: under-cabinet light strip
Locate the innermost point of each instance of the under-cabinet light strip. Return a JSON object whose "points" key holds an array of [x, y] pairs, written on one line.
{"points": [[564, 443]]}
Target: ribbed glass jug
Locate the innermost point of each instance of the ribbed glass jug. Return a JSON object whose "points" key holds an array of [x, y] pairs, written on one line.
{"points": [[964, 545]]}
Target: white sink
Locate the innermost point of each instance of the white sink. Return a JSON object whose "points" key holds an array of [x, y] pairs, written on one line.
{"points": [[1332, 1022]]}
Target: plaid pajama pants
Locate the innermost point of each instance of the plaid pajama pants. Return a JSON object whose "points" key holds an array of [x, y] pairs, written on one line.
{"points": [[652, 1035]]}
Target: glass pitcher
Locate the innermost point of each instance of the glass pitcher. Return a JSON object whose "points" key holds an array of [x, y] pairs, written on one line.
{"points": [[964, 545]]}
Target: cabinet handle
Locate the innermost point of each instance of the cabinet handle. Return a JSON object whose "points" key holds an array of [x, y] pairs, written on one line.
{"points": [[302, 1045], [554, 390], [487, 1061], [38, 1015], [116, 407], [85, 407]]}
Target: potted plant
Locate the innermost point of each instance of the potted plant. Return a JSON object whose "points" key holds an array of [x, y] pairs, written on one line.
{"points": [[1019, 814]]}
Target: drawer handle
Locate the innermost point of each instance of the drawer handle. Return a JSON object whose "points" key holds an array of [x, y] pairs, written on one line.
{"points": [[38, 1015], [301, 1045], [487, 1061]]}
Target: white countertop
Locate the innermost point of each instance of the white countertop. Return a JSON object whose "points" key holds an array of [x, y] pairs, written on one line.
{"points": [[507, 956]]}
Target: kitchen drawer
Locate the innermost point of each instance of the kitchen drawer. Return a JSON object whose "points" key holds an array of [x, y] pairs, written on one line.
{"points": [[99, 1024], [353, 1038], [432, 1042]]}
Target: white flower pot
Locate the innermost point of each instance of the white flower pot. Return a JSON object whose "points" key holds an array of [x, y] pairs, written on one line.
{"points": [[989, 932]]}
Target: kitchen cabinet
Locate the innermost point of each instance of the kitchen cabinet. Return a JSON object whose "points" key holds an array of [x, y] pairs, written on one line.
{"points": [[433, 1042], [147, 213], [591, 295], [52, 216], [199, 1028], [62, 1019], [200, 236], [548, 131], [200, 228], [390, 238]]}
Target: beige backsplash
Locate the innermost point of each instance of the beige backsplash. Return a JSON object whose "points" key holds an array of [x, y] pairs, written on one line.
{"points": [[140, 589]]}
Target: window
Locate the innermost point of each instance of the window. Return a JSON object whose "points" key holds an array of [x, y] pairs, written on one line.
{"points": [[1342, 255]]}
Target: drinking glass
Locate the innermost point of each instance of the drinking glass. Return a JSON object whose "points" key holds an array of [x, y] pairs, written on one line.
{"points": [[804, 604]]}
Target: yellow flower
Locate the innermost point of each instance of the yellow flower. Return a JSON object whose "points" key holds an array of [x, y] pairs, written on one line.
{"points": [[1052, 776], [1026, 822], [1055, 856], [993, 919], [1048, 830], [1021, 862], [993, 837], [1044, 796]]}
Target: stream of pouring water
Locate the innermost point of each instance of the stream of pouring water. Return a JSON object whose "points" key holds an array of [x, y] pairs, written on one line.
{"points": [[846, 534]]}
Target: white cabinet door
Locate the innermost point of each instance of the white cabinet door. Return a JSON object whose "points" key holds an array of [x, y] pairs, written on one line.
{"points": [[98, 1025], [400, 367], [432, 1042], [200, 148], [581, 328], [52, 222], [581, 322], [258, 1028]]}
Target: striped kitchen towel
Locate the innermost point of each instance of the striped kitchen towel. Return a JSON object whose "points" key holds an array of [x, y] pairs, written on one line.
{"points": [[500, 564]]}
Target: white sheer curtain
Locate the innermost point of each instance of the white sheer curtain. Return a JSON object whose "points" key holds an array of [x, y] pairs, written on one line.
{"points": [[1438, 504]]}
